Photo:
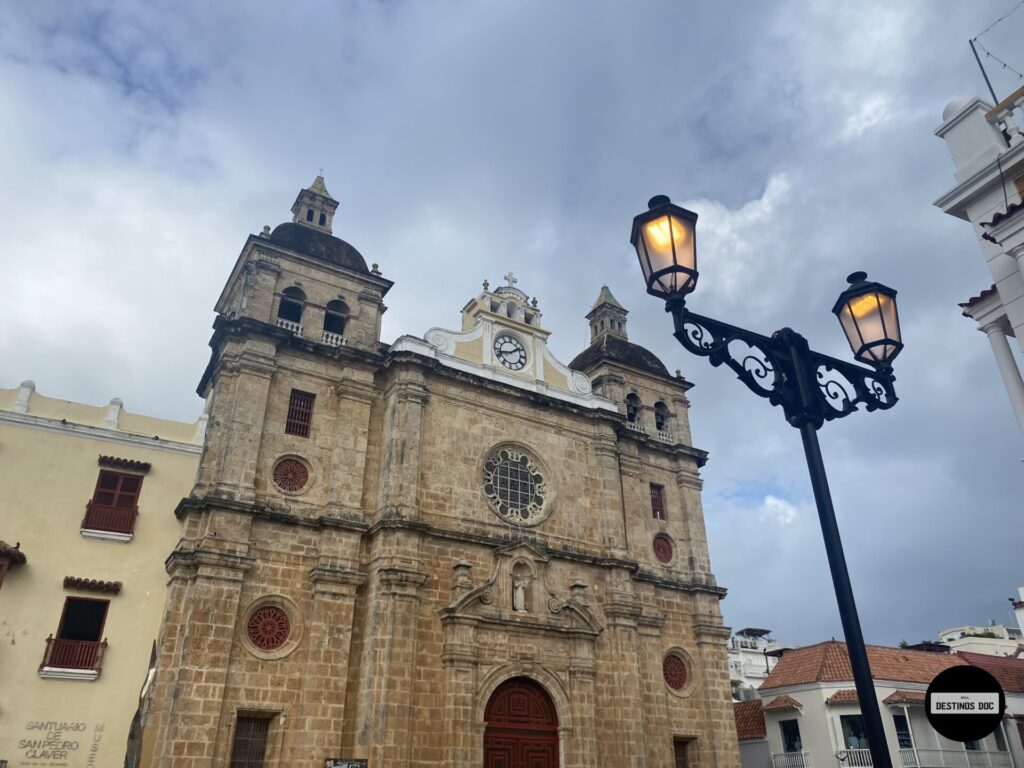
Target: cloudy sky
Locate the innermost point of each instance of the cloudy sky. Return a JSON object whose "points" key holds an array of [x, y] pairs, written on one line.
{"points": [[141, 144]]}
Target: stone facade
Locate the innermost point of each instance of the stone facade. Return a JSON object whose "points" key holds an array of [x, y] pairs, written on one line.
{"points": [[411, 594]]}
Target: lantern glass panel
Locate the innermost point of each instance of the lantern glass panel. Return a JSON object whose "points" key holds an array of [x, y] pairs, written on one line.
{"points": [[874, 317], [669, 242]]}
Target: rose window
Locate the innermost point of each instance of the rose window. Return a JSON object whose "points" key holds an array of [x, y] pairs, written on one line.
{"points": [[268, 628], [674, 670], [514, 486], [290, 475], [662, 548]]}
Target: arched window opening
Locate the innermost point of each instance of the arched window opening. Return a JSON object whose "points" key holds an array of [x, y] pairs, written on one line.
{"points": [[309, 214], [336, 317], [632, 408], [660, 416], [323, 219], [290, 308]]}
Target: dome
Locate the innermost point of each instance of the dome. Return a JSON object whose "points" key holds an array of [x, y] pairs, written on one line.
{"points": [[954, 108], [319, 245], [619, 350]]}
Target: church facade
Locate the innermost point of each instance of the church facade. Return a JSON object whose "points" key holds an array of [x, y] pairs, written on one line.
{"points": [[451, 550]]}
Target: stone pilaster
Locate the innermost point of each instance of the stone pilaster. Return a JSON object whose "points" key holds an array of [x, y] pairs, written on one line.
{"points": [[582, 671], [355, 393], [385, 727], [205, 592], [655, 711], [459, 659], [405, 400], [622, 615], [721, 746], [321, 722]]}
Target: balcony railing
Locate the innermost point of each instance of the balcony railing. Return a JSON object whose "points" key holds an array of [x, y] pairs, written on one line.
{"points": [[64, 654], [666, 437], [290, 325], [930, 758], [791, 760], [636, 427], [99, 517], [334, 339], [854, 758]]}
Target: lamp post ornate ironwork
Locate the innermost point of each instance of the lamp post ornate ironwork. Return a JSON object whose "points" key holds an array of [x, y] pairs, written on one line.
{"points": [[811, 388]]}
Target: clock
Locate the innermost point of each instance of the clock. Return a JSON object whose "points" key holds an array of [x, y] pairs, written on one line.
{"points": [[510, 352]]}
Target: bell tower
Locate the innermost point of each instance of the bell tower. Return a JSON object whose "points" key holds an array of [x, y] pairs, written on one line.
{"points": [[314, 207], [607, 316]]}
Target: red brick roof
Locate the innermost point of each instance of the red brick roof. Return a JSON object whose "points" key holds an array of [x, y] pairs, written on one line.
{"points": [[968, 305], [904, 697], [749, 719], [829, 662], [783, 702], [1008, 671], [843, 696]]}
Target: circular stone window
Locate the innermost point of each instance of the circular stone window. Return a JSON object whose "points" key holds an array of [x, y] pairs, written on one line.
{"points": [[514, 486], [268, 628], [662, 547], [674, 670], [290, 475]]}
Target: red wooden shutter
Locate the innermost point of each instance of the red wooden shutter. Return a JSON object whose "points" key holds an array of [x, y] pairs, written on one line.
{"points": [[300, 413], [115, 489]]}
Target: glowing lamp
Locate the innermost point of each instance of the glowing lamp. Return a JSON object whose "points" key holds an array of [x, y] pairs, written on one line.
{"points": [[666, 244], [867, 312]]}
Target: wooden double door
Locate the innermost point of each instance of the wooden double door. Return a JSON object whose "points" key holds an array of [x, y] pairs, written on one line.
{"points": [[522, 727]]}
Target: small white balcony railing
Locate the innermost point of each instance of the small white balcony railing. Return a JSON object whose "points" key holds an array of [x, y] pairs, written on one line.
{"points": [[930, 758], [334, 339], [636, 427], [666, 437], [290, 325], [854, 758], [791, 760]]}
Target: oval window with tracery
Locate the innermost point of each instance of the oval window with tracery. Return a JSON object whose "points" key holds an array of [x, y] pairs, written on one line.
{"points": [[268, 628], [514, 486], [662, 548], [290, 475], [674, 670]]}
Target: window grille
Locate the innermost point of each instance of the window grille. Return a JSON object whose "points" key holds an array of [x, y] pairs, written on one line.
{"points": [[658, 501], [250, 743], [300, 413]]}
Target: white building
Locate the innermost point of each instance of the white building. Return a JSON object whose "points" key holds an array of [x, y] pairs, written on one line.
{"points": [[752, 655], [813, 719], [988, 158], [994, 640]]}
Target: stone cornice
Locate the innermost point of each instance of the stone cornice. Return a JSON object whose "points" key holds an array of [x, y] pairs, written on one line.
{"points": [[705, 630]]}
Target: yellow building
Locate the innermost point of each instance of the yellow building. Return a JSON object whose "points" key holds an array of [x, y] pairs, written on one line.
{"points": [[87, 519]]}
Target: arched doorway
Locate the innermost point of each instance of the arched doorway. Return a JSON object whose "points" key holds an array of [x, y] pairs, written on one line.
{"points": [[522, 727]]}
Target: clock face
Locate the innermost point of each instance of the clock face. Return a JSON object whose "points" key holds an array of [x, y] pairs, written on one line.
{"points": [[510, 352]]}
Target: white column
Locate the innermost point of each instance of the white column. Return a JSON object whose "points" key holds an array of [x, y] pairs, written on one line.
{"points": [[996, 332]]}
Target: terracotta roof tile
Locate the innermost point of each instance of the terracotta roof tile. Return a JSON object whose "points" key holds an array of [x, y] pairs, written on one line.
{"points": [[13, 555], [829, 662], [843, 696], [116, 461], [967, 305], [783, 702], [749, 719], [1000, 215], [91, 585], [904, 697], [1008, 671]]}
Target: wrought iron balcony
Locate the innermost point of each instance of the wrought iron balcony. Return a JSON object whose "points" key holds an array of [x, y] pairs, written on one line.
{"points": [[72, 659]]}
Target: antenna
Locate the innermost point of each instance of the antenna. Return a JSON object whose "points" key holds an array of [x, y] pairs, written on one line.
{"points": [[995, 99]]}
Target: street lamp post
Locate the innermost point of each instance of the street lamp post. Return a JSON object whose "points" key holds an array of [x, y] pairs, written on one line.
{"points": [[810, 387]]}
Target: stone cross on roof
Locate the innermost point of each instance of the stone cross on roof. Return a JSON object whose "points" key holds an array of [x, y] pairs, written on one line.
{"points": [[511, 279]]}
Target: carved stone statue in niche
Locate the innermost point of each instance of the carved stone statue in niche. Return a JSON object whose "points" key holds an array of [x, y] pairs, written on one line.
{"points": [[521, 574], [519, 595]]}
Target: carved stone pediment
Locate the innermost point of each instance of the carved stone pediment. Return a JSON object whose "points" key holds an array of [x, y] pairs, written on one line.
{"points": [[517, 596]]}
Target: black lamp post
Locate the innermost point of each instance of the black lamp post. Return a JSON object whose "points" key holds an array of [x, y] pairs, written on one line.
{"points": [[811, 388]]}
